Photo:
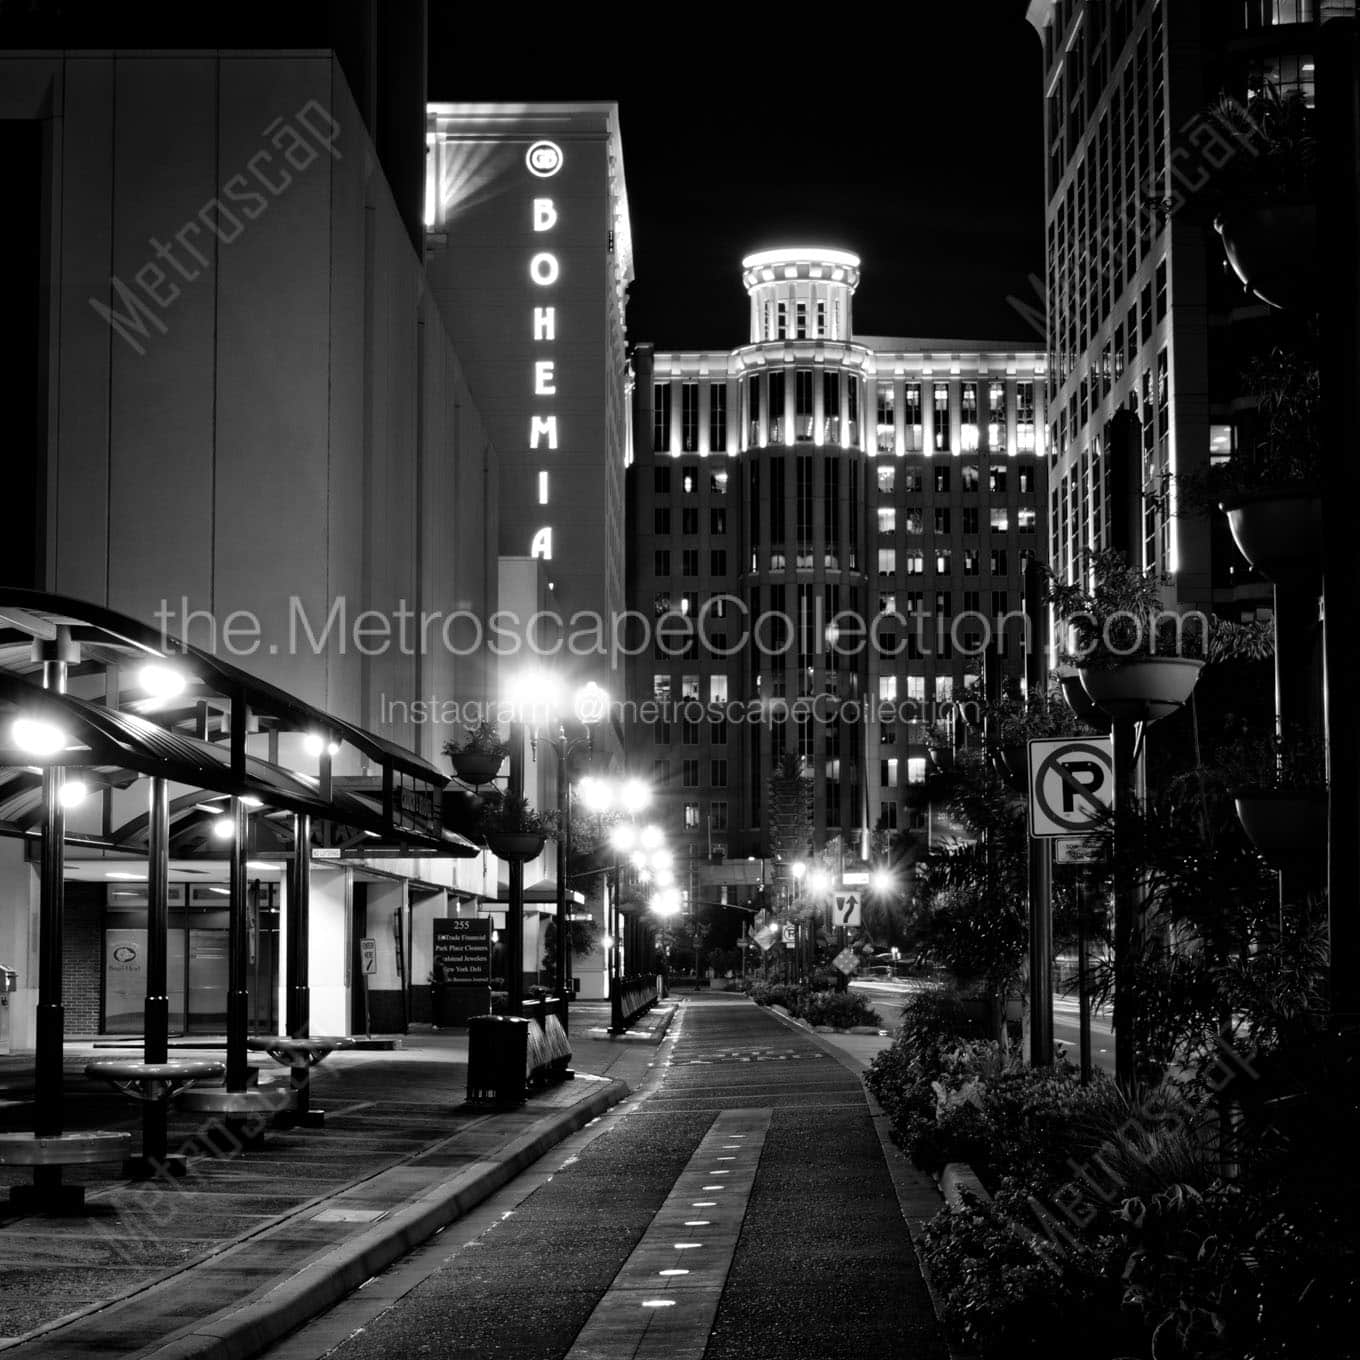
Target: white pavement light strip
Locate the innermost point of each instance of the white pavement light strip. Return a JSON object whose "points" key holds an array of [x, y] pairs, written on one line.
{"points": [[662, 1303]]}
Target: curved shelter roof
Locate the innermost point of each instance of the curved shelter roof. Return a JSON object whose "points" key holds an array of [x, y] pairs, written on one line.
{"points": [[116, 734]]}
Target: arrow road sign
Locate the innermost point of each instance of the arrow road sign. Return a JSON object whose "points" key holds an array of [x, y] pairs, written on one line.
{"points": [[846, 911], [1071, 785]]}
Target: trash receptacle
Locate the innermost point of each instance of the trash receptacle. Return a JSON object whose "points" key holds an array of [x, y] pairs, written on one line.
{"points": [[498, 1050]]}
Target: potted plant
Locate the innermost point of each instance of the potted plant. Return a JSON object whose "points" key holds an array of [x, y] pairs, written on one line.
{"points": [[514, 831], [941, 746], [1138, 659], [1279, 787], [1267, 195], [478, 758]]}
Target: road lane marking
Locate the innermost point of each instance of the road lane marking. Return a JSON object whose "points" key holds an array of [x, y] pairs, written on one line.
{"points": [[632, 1321]]}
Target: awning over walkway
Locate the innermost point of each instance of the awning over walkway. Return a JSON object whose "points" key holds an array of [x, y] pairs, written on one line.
{"points": [[195, 737]]}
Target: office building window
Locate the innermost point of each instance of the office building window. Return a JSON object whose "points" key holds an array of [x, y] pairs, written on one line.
{"points": [[661, 686], [916, 769], [689, 774], [661, 562], [800, 318], [777, 407], [717, 565], [661, 481], [1025, 519], [717, 520], [968, 418], [970, 561], [661, 417], [802, 403], [689, 481], [692, 809], [916, 563], [887, 519], [996, 415], [717, 484], [996, 478], [970, 519], [689, 562], [661, 520], [782, 320], [753, 411], [887, 426], [1000, 519], [887, 561], [689, 417], [803, 504], [911, 415], [887, 604], [887, 687], [940, 407], [941, 480], [831, 408], [718, 816], [661, 771], [821, 316], [999, 562], [689, 519], [941, 519], [913, 481], [717, 417], [942, 561], [717, 689], [913, 520], [968, 478], [717, 773]]}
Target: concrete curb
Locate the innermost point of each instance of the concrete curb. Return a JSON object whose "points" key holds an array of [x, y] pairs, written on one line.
{"points": [[250, 1327]]}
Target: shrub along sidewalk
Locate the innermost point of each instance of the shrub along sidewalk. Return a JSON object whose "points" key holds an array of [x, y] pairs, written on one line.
{"points": [[1122, 1226], [816, 1005]]}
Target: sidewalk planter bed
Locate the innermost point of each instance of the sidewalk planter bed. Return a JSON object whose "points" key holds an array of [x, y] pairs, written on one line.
{"points": [[1286, 825], [836, 1010], [1278, 530], [1142, 689], [1110, 1231]]}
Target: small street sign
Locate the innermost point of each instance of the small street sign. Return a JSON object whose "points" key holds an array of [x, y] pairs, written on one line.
{"points": [[790, 935], [766, 936], [846, 910], [1071, 784], [846, 962], [1079, 850], [368, 953], [855, 877]]}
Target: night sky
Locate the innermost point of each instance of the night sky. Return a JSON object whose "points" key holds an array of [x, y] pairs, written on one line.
{"points": [[913, 137], [915, 140]]}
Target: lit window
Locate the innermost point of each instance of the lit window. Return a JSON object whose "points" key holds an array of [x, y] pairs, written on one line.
{"points": [[887, 561], [717, 419], [941, 414], [661, 417], [887, 688], [916, 769], [885, 473], [661, 686], [911, 414], [691, 816], [717, 689], [689, 687], [1000, 518], [689, 417], [916, 563], [887, 519], [968, 418], [1221, 443], [916, 688]]}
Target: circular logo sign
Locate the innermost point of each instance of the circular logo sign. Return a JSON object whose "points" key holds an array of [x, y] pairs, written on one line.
{"points": [[543, 159], [124, 953]]}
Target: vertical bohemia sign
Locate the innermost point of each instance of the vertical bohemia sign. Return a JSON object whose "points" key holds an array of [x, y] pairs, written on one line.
{"points": [[463, 947]]}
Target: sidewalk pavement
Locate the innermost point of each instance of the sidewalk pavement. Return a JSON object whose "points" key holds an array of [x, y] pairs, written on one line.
{"points": [[246, 1247]]}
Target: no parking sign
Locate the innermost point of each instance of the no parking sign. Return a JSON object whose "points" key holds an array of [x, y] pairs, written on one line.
{"points": [[1071, 785]]}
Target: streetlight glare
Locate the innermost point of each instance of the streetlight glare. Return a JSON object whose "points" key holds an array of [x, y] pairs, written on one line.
{"points": [[882, 881], [798, 869], [623, 837], [636, 795], [596, 794], [161, 681], [37, 737], [651, 837], [819, 880]]}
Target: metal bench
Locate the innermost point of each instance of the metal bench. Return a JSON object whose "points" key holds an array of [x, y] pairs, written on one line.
{"points": [[155, 1085], [299, 1056]]}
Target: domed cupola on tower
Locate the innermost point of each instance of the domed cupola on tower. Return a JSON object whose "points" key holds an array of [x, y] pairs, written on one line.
{"points": [[800, 293]]}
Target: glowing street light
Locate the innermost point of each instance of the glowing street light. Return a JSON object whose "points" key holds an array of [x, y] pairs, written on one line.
{"points": [[624, 838], [37, 736], [798, 868], [161, 681], [883, 881], [819, 881], [651, 837], [74, 792]]}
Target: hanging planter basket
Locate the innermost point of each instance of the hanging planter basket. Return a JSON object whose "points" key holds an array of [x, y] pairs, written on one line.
{"points": [[1287, 826], [1142, 689], [517, 847], [1279, 531], [476, 767], [1080, 703], [941, 759], [1273, 249], [1011, 762]]}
